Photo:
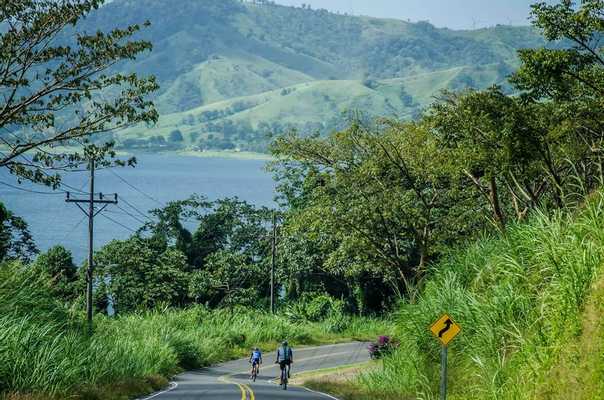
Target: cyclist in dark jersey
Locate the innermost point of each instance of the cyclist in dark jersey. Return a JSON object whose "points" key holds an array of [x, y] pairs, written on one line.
{"points": [[256, 360], [285, 357]]}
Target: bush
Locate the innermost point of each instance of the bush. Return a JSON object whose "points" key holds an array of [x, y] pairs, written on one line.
{"points": [[383, 347], [315, 307], [337, 323]]}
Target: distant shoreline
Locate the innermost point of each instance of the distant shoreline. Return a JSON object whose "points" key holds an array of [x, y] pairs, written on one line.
{"points": [[238, 155], [235, 155]]}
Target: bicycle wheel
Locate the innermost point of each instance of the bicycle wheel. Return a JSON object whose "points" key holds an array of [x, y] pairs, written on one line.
{"points": [[283, 383]]}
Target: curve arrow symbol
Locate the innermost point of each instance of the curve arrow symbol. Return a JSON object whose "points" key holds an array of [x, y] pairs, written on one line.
{"points": [[448, 324]]}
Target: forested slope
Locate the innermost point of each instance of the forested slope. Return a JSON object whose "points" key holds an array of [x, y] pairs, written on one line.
{"points": [[221, 56]]}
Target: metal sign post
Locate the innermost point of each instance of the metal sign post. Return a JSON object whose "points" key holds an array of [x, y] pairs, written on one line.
{"points": [[445, 330], [443, 373]]}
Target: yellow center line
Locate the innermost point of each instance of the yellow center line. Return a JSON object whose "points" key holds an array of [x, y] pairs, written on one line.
{"points": [[245, 389], [252, 396], [243, 392], [226, 379]]}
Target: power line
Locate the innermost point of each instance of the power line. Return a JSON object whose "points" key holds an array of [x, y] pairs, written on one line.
{"points": [[29, 190], [73, 229], [131, 215], [79, 191], [148, 196], [118, 223], [137, 189], [134, 208]]}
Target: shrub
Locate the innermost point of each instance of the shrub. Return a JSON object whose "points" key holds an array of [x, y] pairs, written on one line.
{"points": [[384, 346], [314, 308]]}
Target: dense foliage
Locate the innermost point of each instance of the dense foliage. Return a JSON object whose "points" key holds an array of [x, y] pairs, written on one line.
{"points": [[58, 88], [371, 217], [386, 198], [15, 240]]}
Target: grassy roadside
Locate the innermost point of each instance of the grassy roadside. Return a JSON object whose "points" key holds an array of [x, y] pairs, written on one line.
{"points": [[530, 306], [578, 372], [45, 353], [342, 382]]}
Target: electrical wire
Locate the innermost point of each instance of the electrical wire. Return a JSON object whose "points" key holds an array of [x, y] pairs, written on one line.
{"points": [[148, 196], [133, 207], [136, 189], [78, 191], [29, 190], [131, 215], [73, 229], [118, 223]]}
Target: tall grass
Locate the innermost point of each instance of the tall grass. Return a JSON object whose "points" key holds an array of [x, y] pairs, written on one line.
{"points": [[518, 298], [44, 349]]}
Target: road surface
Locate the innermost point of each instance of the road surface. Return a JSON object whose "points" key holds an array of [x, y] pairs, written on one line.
{"points": [[230, 380]]}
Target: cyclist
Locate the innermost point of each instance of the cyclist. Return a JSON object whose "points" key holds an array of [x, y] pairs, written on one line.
{"points": [[255, 360], [285, 357]]}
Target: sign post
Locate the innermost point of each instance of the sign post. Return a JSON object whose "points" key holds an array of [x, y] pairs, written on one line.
{"points": [[443, 373], [445, 330]]}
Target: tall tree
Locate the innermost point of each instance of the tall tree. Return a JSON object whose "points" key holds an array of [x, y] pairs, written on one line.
{"points": [[135, 275], [379, 192], [58, 85], [569, 78], [563, 73], [57, 265], [15, 240]]}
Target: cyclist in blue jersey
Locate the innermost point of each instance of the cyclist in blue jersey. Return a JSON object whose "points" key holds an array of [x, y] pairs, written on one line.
{"points": [[255, 360]]}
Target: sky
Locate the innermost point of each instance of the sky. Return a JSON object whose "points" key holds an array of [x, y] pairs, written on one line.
{"points": [[455, 14]]}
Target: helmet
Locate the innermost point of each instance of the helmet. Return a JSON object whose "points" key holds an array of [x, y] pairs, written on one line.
{"points": [[284, 343], [256, 349]]}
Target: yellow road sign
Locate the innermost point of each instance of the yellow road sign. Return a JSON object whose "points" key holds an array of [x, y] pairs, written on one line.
{"points": [[445, 329]]}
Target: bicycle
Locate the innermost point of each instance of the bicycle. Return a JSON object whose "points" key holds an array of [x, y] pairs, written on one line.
{"points": [[255, 368], [283, 377]]}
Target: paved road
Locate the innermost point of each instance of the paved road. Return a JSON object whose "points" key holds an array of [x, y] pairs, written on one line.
{"points": [[230, 381]]}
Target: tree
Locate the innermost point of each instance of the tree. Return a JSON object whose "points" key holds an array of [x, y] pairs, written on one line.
{"points": [[15, 240], [59, 87], [138, 276], [176, 136], [563, 73], [378, 192], [227, 279], [569, 80], [477, 130], [57, 264], [227, 224], [227, 253]]}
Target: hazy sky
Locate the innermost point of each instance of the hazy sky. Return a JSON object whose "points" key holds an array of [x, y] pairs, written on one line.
{"points": [[456, 14]]}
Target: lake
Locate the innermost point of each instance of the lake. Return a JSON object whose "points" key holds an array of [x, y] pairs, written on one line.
{"points": [[156, 180]]}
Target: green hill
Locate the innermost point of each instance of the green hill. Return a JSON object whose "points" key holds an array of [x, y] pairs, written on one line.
{"points": [[231, 71]]}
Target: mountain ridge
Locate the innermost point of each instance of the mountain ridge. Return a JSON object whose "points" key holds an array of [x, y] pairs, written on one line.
{"points": [[221, 56]]}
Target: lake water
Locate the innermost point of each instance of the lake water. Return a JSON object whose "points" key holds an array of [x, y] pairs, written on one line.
{"points": [[158, 178]]}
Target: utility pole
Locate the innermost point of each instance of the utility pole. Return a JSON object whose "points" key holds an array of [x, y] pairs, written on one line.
{"points": [[90, 213], [273, 264]]}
